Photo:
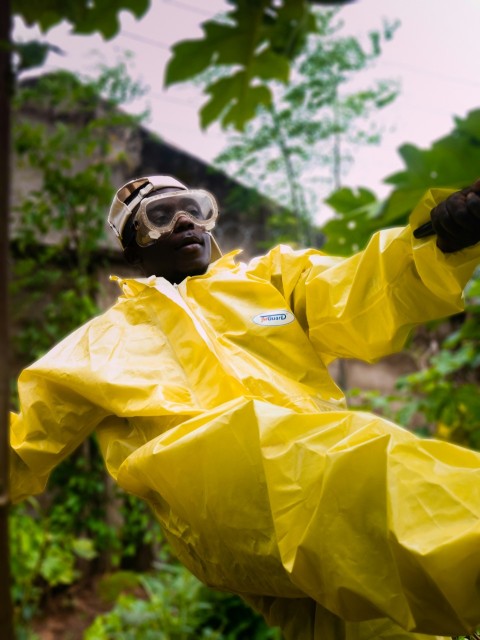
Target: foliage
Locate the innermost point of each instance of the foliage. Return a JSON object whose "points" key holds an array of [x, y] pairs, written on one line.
{"points": [[42, 558], [257, 41], [452, 161], [85, 16], [65, 136], [177, 606], [304, 136], [28, 55], [80, 498], [446, 391], [441, 398], [139, 528], [356, 220], [112, 585], [68, 140]]}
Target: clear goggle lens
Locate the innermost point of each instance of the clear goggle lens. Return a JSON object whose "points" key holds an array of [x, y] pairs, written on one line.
{"points": [[158, 215]]}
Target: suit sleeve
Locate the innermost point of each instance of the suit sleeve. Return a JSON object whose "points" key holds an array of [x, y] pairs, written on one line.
{"points": [[365, 306], [58, 410]]}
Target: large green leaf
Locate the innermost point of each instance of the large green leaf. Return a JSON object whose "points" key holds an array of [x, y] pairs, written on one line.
{"points": [[86, 16], [33, 53], [232, 101], [351, 229], [452, 161], [398, 206], [222, 44], [245, 107], [345, 199], [235, 99], [258, 40], [268, 65]]}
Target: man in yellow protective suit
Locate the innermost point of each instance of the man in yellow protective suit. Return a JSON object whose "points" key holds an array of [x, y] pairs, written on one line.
{"points": [[207, 387]]}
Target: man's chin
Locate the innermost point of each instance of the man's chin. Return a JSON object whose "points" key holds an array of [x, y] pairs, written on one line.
{"points": [[194, 263]]}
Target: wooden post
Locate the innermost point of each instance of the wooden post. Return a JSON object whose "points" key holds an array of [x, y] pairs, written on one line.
{"points": [[6, 615]]}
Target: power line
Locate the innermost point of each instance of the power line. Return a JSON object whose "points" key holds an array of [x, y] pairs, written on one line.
{"points": [[144, 40], [412, 68], [188, 7], [427, 72]]}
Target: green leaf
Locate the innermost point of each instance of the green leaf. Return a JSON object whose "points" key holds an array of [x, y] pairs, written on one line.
{"points": [[222, 44], [258, 40], [352, 229], [233, 101], [246, 106], [190, 58], [345, 200], [84, 548], [288, 32], [399, 205], [270, 66], [222, 93], [86, 16], [33, 53], [452, 161]]}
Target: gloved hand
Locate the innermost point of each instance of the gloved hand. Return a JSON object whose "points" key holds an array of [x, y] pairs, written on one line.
{"points": [[456, 220]]}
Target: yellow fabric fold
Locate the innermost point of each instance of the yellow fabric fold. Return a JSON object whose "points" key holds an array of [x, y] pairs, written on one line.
{"points": [[213, 402]]}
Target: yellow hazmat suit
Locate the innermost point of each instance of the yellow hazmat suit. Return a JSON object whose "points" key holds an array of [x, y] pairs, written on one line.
{"points": [[212, 401]]}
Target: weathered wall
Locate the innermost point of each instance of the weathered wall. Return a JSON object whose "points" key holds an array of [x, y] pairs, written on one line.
{"points": [[243, 211]]}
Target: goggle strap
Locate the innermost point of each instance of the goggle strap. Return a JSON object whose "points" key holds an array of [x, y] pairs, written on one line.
{"points": [[139, 195], [127, 207], [129, 233]]}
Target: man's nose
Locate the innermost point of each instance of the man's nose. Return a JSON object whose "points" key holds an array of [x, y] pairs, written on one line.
{"points": [[183, 222]]}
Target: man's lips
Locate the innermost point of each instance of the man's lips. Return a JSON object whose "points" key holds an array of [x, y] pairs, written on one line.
{"points": [[189, 240]]}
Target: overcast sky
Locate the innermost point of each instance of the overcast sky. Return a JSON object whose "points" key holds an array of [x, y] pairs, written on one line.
{"points": [[435, 55]]}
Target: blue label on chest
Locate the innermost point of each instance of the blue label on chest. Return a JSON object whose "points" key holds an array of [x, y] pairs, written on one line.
{"points": [[274, 318]]}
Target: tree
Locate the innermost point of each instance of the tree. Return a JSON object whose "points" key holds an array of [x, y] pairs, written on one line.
{"points": [[90, 17], [66, 132], [305, 134], [6, 619], [452, 161], [441, 398], [258, 41], [85, 16]]}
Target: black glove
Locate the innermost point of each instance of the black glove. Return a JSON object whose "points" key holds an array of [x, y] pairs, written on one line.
{"points": [[456, 220]]}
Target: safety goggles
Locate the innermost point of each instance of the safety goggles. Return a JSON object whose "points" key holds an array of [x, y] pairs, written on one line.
{"points": [[131, 199], [157, 215]]}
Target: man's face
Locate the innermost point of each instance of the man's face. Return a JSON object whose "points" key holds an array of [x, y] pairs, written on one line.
{"points": [[184, 252]]}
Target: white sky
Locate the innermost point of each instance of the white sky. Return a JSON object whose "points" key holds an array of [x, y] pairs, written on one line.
{"points": [[435, 54]]}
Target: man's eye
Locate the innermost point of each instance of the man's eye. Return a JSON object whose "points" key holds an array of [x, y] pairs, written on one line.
{"points": [[194, 211], [159, 216]]}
